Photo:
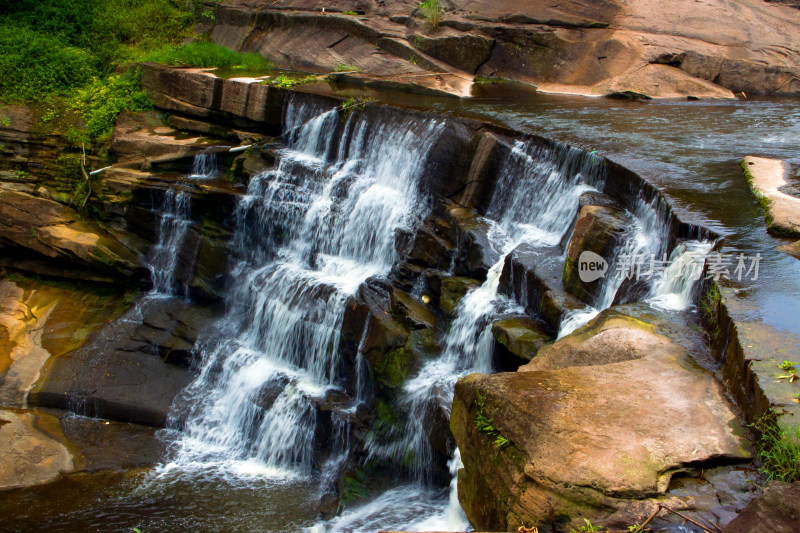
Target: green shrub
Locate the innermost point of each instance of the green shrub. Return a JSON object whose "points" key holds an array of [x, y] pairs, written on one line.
{"points": [[100, 102], [205, 54], [33, 65]]}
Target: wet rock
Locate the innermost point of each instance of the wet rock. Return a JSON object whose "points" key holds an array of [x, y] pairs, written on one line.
{"points": [[120, 373], [599, 230], [415, 312], [428, 246], [533, 278], [30, 451], [521, 336], [329, 505], [50, 231], [483, 170], [791, 249], [471, 235], [453, 289], [589, 441], [766, 178], [777, 510]]}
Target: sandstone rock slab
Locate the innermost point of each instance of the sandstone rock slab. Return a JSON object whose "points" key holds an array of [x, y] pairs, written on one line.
{"points": [[591, 441], [766, 178]]}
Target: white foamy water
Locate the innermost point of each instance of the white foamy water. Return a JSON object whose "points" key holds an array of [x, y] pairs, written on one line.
{"points": [[308, 233]]}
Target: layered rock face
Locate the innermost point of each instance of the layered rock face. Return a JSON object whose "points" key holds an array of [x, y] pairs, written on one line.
{"points": [[642, 47]]}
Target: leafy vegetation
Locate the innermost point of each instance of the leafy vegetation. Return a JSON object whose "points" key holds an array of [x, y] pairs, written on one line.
{"points": [[341, 67], [69, 55], [285, 81], [778, 449], [484, 423], [432, 11], [588, 528], [100, 102], [204, 54]]}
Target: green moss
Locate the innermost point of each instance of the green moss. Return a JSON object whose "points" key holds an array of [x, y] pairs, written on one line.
{"points": [[392, 368], [353, 487], [709, 308], [763, 201]]}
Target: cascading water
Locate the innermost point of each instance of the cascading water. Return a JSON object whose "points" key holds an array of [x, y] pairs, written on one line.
{"points": [[676, 286], [204, 166], [175, 222], [308, 233], [534, 203]]}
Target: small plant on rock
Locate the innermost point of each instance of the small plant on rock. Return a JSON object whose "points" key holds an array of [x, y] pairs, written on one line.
{"points": [[484, 424], [432, 11], [341, 67], [588, 528], [778, 449], [787, 365]]}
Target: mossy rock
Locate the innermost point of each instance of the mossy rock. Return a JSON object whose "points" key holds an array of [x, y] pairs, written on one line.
{"points": [[521, 336], [392, 368], [453, 289]]}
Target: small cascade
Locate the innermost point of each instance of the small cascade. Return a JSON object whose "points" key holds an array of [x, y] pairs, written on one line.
{"points": [[676, 287], [163, 260], [204, 166], [308, 233]]}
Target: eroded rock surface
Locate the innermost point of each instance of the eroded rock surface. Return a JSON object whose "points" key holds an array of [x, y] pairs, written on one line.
{"points": [[591, 430], [55, 232], [777, 510], [642, 47], [30, 455]]}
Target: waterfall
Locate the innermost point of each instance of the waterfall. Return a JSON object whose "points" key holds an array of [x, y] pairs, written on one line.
{"points": [[175, 222], [204, 166], [307, 234], [535, 202], [676, 287]]}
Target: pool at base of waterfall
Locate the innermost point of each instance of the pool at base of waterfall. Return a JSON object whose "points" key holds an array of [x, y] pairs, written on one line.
{"points": [[152, 502]]}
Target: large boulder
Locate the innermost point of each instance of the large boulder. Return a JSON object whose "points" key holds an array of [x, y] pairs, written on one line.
{"points": [[589, 432], [120, 373], [31, 452]]}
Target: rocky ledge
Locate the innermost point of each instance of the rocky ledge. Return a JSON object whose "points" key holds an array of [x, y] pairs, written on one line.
{"points": [[640, 48]]}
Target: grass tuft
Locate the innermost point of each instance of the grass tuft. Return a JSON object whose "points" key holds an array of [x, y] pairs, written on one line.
{"points": [[204, 54], [778, 449], [432, 11]]}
